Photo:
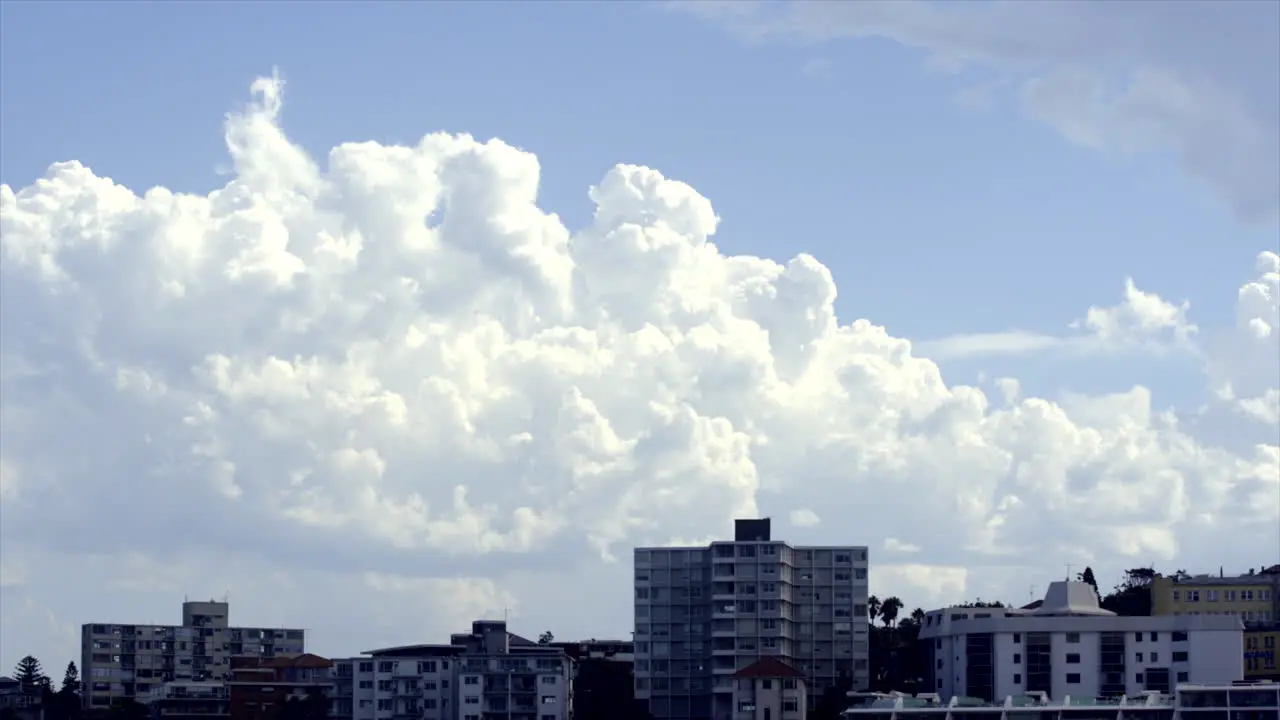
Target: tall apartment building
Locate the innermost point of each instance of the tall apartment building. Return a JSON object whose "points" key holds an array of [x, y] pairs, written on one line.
{"points": [[1254, 597], [126, 662], [1069, 646], [487, 674], [704, 613]]}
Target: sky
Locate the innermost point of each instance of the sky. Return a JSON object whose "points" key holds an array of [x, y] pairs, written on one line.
{"points": [[379, 318]]}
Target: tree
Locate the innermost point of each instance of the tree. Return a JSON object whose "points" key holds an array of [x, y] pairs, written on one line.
{"points": [[30, 675], [71, 680], [546, 638], [889, 610], [918, 616], [1087, 578], [1132, 597], [834, 700], [873, 608]]}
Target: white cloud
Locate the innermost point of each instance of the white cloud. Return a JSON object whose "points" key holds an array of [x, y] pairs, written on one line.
{"points": [[297, 389], [1141, 322], [1198, 79], [893, 544], [804, 517]]}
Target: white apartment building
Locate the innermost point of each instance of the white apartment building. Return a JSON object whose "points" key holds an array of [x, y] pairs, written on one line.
{"points": [[1239, 701], [487, 674], [119, 662], [704, 613], [1069, 646]]}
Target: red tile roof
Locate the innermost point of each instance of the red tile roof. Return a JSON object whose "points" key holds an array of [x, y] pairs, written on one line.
{"points": [[768, 667], [305, 660]]}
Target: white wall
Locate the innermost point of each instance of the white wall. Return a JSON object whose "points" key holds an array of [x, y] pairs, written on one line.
{"points": [[1215, 657]]}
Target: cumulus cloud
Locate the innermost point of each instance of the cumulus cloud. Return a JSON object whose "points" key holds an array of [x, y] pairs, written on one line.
{"points": [[1198, 79], [1140, 322], [390, 374], [804, 517]]}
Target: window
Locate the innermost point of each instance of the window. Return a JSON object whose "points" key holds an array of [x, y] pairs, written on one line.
{"points": [[548, 699], [1176, 596], [1180, 656], [789, 684], [548, 679], [1211, 596], [1073, 658], [1155, 637], [1184, 677], [427, 666], [1138, 657], [1179, 636], [1073, 637], [366, 684], [1193, 596], [1138, 678], [790, 705], [1155, 657], [471, 700], [1137, 637], [860, 573], [1017, 637], [1073, 678], [470, 680], [1017, 658], [1017, 678]]}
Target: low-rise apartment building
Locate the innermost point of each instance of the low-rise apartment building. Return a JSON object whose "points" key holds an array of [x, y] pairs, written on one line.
{"points": [[127, 661], [188, 700], [487, 674], [1068, 645], [1254, 597], [259, 687]]}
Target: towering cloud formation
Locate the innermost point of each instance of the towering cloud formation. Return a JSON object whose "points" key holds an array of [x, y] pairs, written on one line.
{"points": [[399, 366]]}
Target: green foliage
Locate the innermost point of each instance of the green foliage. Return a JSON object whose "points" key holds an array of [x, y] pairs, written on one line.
{"points": [[71, 680], [1132, 597], [833, 701], [315, 706], [546, 638], [30, 675], [889, 610]]}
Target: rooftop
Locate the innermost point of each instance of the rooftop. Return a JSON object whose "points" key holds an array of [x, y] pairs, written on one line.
{"points": [[768, 667]]}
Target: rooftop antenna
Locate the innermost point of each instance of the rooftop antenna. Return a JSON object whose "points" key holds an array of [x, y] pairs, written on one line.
{"points": [[1031, 594], [1069, 566]]}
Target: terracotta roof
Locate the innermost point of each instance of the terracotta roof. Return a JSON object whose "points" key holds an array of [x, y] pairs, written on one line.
{"points": [[305, 660], [768, 667]]}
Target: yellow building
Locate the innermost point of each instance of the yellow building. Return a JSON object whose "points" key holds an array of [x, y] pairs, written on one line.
{"points": [[1254, 597]]}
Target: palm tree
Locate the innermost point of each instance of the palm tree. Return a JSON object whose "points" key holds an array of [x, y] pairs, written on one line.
{"points": [[873, 608], [889, 610], [918, 616]]}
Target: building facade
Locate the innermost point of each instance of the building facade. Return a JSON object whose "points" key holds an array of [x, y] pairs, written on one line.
{"points": [[259, 687], [187, 700], [769, 689], [126, 662], [704, 613], [1254, 597], [1188, 702], [487, 674], [1068, 646]]}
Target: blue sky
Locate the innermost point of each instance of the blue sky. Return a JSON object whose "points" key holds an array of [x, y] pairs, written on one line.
{"points": [[1011, 189], [931, 215]]}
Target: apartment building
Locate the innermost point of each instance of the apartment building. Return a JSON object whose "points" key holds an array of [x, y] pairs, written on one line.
{"points": [[487, 674], [1188, 702], [259, 687], [1254, 597], [1069, 646], [187, 700], [126, 662], [704, 613]]}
